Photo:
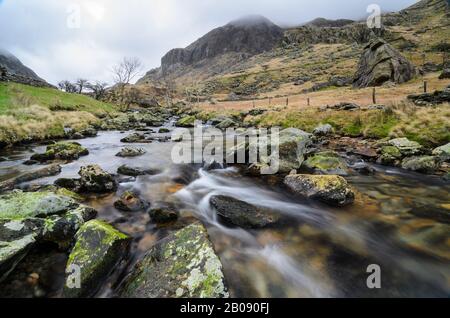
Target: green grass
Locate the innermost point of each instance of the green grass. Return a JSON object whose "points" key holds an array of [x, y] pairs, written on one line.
{"points": [[13, 96]]}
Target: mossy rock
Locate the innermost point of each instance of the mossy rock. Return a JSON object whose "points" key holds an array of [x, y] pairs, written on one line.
{"points": [[330, 189], [406, 146], [443, 152], [425, 164], [29, 218], [326, 163], [186, 122], [183, 265], [389, 155], [98, 249], [62, 151]]}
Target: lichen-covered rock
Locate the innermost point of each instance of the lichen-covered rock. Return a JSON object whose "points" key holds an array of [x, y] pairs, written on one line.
{"points": [[406, 146], [381, 63], [445, 74], [95, 180], [29, 218], [10, 184], [129, 152], [183, 265], [333, 190], [443, 152], [186, 122], [327, 162], [163, 212], [98, 249], [323, 130], [129, 202], [227, 123], [243, 214], [62, 151], [426, 164]]}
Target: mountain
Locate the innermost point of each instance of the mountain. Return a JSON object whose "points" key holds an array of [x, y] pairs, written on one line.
{"points": [[12, 69], [246, 37]]}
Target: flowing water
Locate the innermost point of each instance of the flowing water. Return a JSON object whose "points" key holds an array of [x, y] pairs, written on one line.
{"points": [[399, 222]]}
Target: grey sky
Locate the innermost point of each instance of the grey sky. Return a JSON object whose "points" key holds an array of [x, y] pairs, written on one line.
{"points": [[37, 31]]}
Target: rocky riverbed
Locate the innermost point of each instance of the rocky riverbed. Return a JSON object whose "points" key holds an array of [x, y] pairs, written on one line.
{"points": [[137, 225]]}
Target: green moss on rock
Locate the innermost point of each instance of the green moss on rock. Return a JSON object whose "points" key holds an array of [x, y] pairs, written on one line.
{"points": [[182, 265], [98, 249], [326, 163]]}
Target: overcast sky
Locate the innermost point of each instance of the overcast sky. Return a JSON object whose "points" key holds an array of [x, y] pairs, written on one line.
{"points": [[46, 36]]}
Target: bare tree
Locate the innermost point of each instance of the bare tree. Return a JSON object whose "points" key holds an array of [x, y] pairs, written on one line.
{"points": [[81, 84], [68, 87], [98, 89], [126, 70]]}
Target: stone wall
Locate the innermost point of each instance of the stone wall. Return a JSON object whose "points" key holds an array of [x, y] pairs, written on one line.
{"points": [[5, 76]]}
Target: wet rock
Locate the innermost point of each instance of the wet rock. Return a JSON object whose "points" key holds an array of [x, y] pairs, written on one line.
{"points": [[95, 180], [227, 123], [61, 151], [135, 172], [98, 249], [243, 214], [363, 168], [186, 122], [426, 164], [164, 131], [381, 63], [406, 147], [131, 152], [129, 202], [27, 218], [443, 152], [183, 265], [213, 165], [327, 162], [135, 138], [333, 190], [10, 184], [323, 130], [163, 212]]}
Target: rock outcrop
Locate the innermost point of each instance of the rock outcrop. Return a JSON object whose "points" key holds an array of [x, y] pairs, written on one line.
{"points": [[381, 63]]}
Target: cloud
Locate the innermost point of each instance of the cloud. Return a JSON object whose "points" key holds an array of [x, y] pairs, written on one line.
{"points": [[45, 35]]}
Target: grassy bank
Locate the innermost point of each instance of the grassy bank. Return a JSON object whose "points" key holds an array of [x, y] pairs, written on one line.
{"points": [[32, 113]]}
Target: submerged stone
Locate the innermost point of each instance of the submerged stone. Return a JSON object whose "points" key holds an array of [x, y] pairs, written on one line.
{"points": [[98, 249], [163, 212], [333, 190], [129, 202], [183, 265]]}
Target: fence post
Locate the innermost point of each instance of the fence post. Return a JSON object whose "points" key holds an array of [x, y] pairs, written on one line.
{"points": [[425, 86], [374, 95], [287, 101], [308, 101]]}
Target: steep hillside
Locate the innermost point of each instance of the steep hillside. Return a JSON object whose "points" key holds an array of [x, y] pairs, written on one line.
{"points": [[12, 69]]}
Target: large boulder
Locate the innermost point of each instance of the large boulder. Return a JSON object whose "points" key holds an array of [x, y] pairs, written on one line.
{"points": [[95, 180], [183, 264], [27, 218], [333, 190], [381, 63], [61, 151], [98, 249], [243, 214], [327, 162], [135, 172], [389, 155], [323, 130]]}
